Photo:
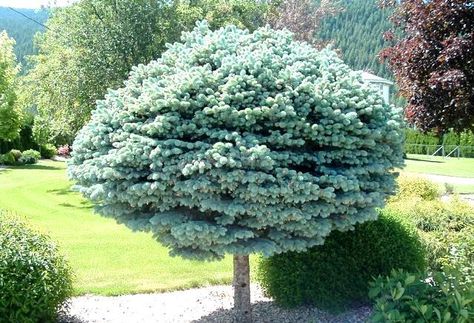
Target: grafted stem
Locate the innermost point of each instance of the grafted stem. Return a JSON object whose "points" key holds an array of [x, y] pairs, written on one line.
{"points": [[242, 307]]}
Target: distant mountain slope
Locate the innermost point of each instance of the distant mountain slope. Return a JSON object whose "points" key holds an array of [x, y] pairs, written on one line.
{"points": [[357, 32], [22, 29]]}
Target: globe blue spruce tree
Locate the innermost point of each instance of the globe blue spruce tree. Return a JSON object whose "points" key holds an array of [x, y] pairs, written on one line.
{"points": [[236, 143]]}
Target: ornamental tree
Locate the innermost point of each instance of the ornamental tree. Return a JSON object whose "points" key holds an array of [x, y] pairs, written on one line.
{"points": [[236, 143], [433, 62]]}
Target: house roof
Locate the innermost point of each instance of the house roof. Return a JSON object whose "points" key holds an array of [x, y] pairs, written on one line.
{"points": [[368, 77]]}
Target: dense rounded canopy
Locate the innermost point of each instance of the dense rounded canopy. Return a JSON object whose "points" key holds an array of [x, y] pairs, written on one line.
{"points": [[234, 142]]}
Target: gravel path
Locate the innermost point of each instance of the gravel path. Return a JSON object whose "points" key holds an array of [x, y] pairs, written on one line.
{"points": [[209, 304], [449, 179]]}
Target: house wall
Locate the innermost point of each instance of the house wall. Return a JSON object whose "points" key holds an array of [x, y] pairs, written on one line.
{"points": [[383, 89]]}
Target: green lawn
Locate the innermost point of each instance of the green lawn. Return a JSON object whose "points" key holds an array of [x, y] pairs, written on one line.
{"points": [[107, 258], [461, 167]]}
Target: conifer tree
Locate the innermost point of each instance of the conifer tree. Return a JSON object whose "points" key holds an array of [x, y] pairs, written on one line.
{"points": [[237, 143]]}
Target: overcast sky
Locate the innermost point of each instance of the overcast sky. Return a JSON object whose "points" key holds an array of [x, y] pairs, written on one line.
{"points": [[33, 3]]}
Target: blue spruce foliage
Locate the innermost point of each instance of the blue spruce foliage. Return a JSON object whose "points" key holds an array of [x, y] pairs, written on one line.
{"points": [[238, 142]]}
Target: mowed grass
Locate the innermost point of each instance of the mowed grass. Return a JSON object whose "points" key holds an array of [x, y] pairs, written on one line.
{"points": [[107, 258], [451, 166]]}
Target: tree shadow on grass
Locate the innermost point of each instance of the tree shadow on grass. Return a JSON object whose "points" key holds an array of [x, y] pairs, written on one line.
{"points": [[84, 205], [425, 160], [36, 167], [61, 191]]}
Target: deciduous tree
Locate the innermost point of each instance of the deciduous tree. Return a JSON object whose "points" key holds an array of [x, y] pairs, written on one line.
{"points": [[92, 45], [10, 117], [433, 62]]}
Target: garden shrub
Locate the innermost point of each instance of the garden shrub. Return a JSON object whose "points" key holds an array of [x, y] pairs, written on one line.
{"points": [[422, 297], [335, 275], [48, 151], [410, 186], [8, 159], [29, 156], [444, 227], [441, 245], [35, 280], [436, 215], [16, 153], [64, 150]]}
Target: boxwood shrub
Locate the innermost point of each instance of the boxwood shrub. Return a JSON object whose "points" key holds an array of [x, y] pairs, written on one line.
{"points": [[48, 151], [35, 280], [16, 153], [336, 275]]}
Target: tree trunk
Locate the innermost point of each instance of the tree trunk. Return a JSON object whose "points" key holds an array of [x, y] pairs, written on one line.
{"points": [[243, 311]]}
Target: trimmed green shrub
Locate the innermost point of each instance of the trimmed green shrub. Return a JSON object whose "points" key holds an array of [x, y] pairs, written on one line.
{"points": [[415, 186], [335, 275], [48, 151], [406, 297], [8, 159], [35, 280], [29, 156]]}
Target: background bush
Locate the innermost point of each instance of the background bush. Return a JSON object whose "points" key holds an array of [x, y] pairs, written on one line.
{"points": [[16, 153], [48, 151], [417, 142], [415, 187], [35, 280], [335, 275], [64, 150], [445, 227], [420, 143], [8, 159], [29, 156], [24, 141]]}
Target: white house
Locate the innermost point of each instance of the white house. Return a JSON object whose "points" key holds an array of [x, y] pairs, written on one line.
{"points": [[379, 84]]}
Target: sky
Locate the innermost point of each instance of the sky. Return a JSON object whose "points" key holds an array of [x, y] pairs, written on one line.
{"points": [[33, 3]]}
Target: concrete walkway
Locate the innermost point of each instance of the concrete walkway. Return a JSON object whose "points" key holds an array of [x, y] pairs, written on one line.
{"points": [[449, 179]]}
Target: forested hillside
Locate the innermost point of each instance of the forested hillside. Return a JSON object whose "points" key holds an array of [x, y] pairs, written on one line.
{"points": [[357, 32], [22, 29]]}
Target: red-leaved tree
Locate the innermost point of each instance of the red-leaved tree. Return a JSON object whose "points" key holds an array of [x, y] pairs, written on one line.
{"points": [[433, 62]]}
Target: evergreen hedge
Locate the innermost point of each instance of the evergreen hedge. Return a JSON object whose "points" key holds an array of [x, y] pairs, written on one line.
{"points": [[420, 143]]}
